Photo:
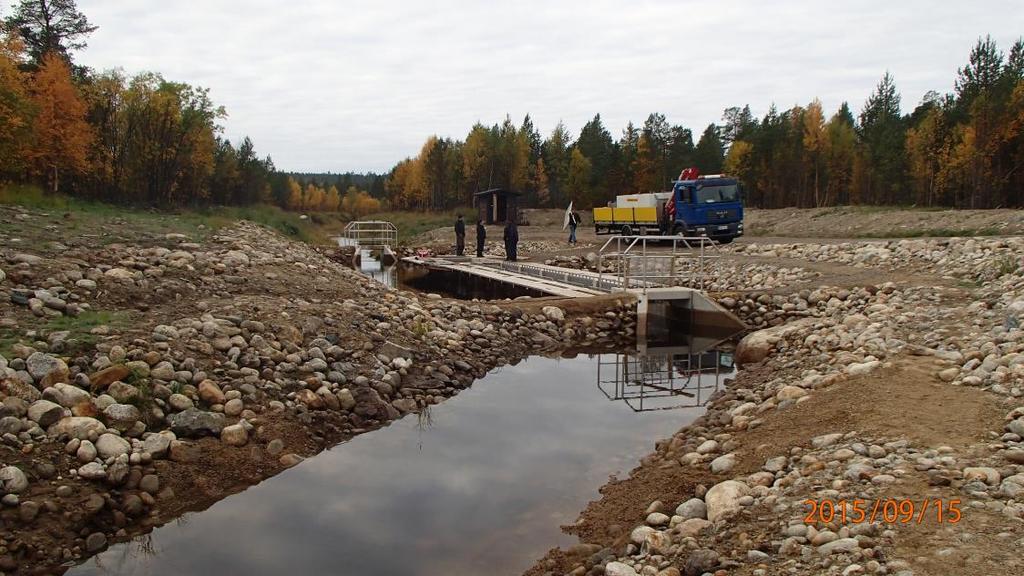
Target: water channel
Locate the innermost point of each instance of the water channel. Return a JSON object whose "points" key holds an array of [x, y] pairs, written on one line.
{"points": [[478, 485]]}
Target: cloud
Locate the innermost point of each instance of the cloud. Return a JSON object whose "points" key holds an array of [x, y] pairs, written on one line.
{"points": [[324, 85]]}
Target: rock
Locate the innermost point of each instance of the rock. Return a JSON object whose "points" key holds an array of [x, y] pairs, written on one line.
{"points": [[657, 543], [193, 422], [723, 463], [28, 511], [95, 542], [776, 464], [46, 370], [100, 380], [132, 506], [1016, 426], [86, 452], [861, 368], [692, 527], [840, 545], [707, 447], [404, 405], [150, 484], [92, 471], [234, 435], [639, 534], [121, 416], [45, 413], [81, 427], [700, 561], [723, 498], [210, 392], [234, 407], [157, 445], [987, 475], [553, 313], [755, 347], [289, 460], [13, 480], [619, 569], [692, 508], [66, 395], [1015, 455], [162, 371], [111, 446], [657, 519], [122, 392], [826, 440], [791, 393], [179, 402], [949, 374]]}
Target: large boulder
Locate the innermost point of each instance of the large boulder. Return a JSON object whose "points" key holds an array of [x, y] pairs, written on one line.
{"points": [[723, 498], [12, 480], [193, 423], [66, 395], [757, 346], [45, 413], [112, 446], [80, 427], [46, 370]]}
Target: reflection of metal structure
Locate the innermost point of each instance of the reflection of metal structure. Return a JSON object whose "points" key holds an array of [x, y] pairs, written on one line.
{"points": [[663, 379]]}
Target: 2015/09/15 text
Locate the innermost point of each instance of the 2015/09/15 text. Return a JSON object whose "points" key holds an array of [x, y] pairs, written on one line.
{"points": [[890, 511]]}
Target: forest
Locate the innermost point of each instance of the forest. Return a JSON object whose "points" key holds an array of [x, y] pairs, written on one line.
{"points": [[142, 139]]}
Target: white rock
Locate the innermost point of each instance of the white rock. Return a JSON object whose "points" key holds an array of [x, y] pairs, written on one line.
{"points": [[619, 569], [723, 463], [723, 498], [112, 446]]}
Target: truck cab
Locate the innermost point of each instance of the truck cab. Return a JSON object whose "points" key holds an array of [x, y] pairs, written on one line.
{"points": [[709, 206]]}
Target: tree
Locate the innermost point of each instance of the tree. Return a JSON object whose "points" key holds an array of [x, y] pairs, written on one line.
{"points": [[50, 26], [815, 144], [61, 134], [579, 178], [840, 152], [709, 154], [16, 113], [984, 68], [556, 161], [882, 134], [595, 143]]}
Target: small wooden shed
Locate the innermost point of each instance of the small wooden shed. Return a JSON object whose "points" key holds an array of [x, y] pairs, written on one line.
{"points": [[497, 205]]}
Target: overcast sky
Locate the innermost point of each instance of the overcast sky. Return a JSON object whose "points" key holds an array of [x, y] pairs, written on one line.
{"points": [[339, 85]]}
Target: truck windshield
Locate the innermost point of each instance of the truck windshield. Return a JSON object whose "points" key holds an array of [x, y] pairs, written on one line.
{"points": [[709, 194]]}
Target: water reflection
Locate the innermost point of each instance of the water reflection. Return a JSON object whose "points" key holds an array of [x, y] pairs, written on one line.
{"points": [[663, 380], [479, 484]]}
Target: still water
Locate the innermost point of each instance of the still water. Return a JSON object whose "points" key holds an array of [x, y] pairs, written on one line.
{"points": [[479, 485]]}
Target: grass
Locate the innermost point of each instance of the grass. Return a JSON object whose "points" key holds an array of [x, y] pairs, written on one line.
{"points": [[92, 217], [412, 224], [933, 233], [80, 327]]}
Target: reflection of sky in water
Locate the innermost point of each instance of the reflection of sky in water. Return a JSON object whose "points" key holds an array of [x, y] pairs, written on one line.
{"points": [[482, 490]]}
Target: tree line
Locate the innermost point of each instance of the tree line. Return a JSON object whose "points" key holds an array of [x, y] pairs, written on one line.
{"points": [[964, 149], [138, 139], [144, 139]]}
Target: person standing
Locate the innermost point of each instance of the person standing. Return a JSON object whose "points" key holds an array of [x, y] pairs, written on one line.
{"points": [[460, 236], [481, 235], [574, 221], [511, 237]]}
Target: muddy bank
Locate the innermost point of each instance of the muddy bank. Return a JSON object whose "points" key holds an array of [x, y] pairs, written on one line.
{"points": [[151, 377], [908, 392]]}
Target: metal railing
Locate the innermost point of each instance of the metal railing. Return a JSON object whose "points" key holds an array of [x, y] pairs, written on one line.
{"points": [[662, 381], [639, 263], [370, 234]]}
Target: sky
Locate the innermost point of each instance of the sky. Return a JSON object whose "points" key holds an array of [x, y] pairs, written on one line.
{"points": [[325, 85]]}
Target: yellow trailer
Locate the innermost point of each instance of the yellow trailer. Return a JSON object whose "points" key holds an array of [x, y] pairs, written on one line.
{"points": [[626, 221]]}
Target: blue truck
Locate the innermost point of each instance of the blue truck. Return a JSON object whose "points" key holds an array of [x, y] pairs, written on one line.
{"points": [[709, 206]]}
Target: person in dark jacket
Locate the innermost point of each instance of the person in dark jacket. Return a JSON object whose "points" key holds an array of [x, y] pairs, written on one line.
{"points": [[481, 235], [460, 236], [574, 221], [511, 237]]}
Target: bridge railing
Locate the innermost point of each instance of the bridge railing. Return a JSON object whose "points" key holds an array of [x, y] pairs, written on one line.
{"points": [[370, 234], [657, 261]]}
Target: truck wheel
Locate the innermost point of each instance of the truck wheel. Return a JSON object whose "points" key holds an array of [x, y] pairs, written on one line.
{"points": [[727, 240], [678, 230], [627, 231]]}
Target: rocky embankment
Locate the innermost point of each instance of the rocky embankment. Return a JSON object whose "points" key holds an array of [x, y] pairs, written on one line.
{"points": [[849, 397], [147, 378]]}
